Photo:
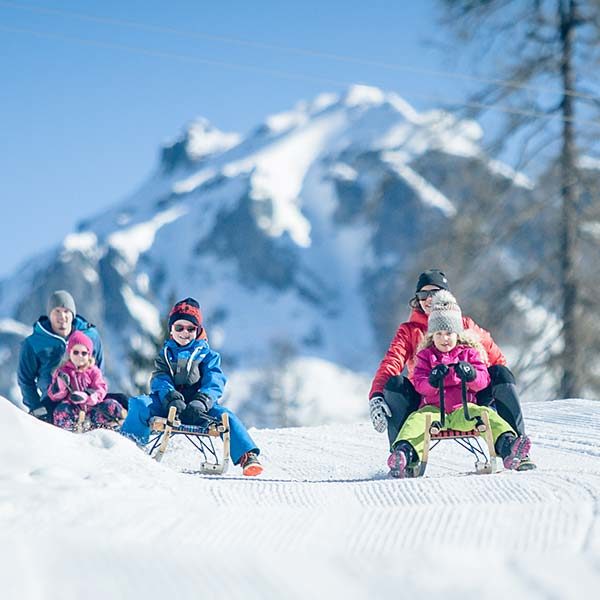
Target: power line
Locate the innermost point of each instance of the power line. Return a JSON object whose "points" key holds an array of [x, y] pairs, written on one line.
{"points": [[288, 75], [299, 51]]}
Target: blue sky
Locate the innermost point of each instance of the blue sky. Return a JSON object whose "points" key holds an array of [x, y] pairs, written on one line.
{"points": [[91, 90]]}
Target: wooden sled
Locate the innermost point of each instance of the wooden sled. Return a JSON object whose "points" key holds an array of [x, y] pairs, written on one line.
{"points": [[485, 462], [83, 424], [436, 431], [200, 436]]}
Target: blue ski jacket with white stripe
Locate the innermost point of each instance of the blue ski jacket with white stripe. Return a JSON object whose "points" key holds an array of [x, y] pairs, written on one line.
{"points": [[188, 369]]}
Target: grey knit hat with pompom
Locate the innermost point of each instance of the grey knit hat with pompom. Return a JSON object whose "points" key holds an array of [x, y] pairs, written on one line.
{"points": [[445, 314]]}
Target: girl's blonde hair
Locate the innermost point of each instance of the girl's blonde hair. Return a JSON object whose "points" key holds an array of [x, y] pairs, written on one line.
{"points": [[465, 338]]}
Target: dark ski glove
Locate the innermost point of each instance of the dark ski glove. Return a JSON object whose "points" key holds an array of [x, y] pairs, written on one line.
{"points": [[78, 397], [204, 399], [176, 399], [61, 383], [465, 370], [194, 413], [437, 375]]}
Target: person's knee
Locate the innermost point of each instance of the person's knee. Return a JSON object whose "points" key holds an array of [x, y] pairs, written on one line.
{"points": [[139, 407], [501, 374], [122, 399], [394, 384], [217, 410], [401, 395]]}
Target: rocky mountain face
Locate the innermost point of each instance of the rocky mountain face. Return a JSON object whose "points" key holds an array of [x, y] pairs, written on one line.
{"points": [[301, 239]]}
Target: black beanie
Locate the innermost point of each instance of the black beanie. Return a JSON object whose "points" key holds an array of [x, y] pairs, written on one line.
{"points": [[433, 277]]}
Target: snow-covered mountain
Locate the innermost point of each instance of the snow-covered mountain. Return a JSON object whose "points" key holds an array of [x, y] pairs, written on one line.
{"points": [[91, 516], [302, 241]]}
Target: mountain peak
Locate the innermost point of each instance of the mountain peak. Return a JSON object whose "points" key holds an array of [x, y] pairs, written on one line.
{"points": [[199, 140], [204, 139], [364, 95]]}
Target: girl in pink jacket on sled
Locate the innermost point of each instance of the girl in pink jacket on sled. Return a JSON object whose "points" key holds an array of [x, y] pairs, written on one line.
{"points": [[448, 357], [78, 385]]}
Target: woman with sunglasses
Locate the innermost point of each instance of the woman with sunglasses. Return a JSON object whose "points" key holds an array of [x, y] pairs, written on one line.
{"points": [[188, 376], [78, 384], [393, 397]]}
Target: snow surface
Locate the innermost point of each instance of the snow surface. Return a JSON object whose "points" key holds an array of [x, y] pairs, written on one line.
{"points": [[91, 516], [137, 239], [428, 194]]}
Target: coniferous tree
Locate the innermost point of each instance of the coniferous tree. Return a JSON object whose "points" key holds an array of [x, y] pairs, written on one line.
{"points": [[539, 60]]}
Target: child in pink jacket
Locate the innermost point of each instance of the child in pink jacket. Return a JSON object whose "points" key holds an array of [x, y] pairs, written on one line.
{"points": [[448, 356], [77, 384]]}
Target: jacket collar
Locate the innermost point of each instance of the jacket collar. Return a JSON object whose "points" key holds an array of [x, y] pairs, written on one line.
{"points": [[43, 326], [193, 345], [418, 317]]}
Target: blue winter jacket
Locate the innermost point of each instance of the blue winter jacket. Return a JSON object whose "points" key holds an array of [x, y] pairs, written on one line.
{"points": [[42, 352], [187, 369]]}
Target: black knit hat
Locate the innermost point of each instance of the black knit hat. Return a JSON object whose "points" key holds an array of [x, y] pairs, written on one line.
{"points": [[187, 310], [432, 277]]}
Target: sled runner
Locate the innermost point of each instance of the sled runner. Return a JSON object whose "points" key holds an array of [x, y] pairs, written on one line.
{"points": [[80, 425], [436, 431], [200, 436]]}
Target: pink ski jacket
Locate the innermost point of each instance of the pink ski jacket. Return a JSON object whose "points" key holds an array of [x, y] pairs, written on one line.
{"points": [[403, 349], [90, 381], [430, 357]]}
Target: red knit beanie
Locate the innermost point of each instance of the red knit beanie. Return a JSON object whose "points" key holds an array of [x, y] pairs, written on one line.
{"points": [[187, 310]]}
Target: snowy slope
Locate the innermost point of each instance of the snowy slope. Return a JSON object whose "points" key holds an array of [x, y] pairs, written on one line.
{"points": [[91, 516]]}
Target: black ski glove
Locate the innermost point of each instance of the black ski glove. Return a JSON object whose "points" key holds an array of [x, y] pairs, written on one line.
{"points": [[78, 397], [205, 399], [437, 375], [194, 413], [465, 370], [176, 399], [55, 388]]}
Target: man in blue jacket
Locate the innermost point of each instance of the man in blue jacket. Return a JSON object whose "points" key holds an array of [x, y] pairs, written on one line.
{"points": [[43, 350]]}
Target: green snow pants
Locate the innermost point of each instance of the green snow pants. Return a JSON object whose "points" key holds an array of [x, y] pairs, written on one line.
{"points": [[413, 430]]}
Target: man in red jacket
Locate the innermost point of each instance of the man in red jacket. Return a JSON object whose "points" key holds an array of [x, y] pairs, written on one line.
{"points": [[392, 397]]}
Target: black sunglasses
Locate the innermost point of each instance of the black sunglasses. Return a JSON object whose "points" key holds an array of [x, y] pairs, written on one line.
{"points": [[78, 352], [180, 328], [423, 295]]}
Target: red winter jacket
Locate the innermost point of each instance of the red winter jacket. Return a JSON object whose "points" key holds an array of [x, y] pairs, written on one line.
{"points": [[430, 357], [403, 349]]}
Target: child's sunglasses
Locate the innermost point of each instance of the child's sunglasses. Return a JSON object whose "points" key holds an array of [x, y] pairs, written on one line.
{"points": [[78, 352], [180, 328], [423, 295]]}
